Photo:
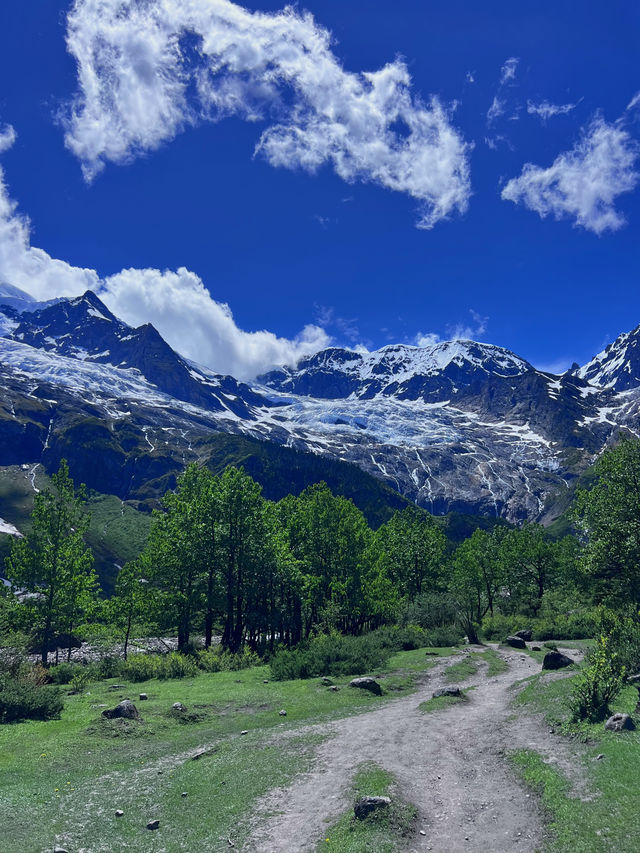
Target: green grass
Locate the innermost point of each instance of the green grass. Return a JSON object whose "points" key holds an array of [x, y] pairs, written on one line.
{"points": [[419, 660], [471, 663], [463, 669], [495, 664], [98, 766], [383, 831], [439, 703], [607, 819]]}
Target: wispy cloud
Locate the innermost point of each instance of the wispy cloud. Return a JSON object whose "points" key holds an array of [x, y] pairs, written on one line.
{"points": [[545, 110], [458, 332], [499, 103], [582, 184], [7, 138], [508, 70], [177, 303], [146, 70]]}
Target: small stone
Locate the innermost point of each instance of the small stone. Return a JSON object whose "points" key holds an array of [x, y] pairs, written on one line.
{"points": [[365, 805], [515, 642], [59, 850], [447, 691], [184, 794], [600, 756], [119, 812], [536, 649], [526, 634], [125, 710], [556, 660], [367, 683], [326, 681], [178, 706], [143, 697], [244, 732], [266, 681], [619, 722], [282, 713], [153, 824], [334, 688], [422, 832]]}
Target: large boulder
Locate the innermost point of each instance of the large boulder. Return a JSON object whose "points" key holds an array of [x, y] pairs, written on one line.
{"points": [[125, 710], [526, 634], [447, 691], [556, 660], [366, 805], [367, 683], [619, 723], [515, 642]]}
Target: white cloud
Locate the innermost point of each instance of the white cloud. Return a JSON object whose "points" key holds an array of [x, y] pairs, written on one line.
{"points": [[458, 332], [496, 109], [146, 70], [499, 104], [582, 184], [7, 138], [508, 70], [182, 310], [634, 102], [177, 303], [545, 110]]}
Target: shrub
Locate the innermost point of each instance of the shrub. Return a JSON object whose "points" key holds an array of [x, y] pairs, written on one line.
{"points": [[23, 698], [598, 684], [218, 660], [81, 678], [139, 667], [175, 665], [62, 673], [331, 654]]}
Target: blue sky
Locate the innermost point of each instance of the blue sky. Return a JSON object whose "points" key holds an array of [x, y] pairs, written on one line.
{"points": [[337, 247]]}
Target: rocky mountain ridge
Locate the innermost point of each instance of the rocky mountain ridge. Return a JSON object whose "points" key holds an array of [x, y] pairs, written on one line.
{"points": [[460, 425]]}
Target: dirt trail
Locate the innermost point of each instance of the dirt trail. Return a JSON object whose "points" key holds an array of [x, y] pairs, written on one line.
{"points": [[449, 763]]}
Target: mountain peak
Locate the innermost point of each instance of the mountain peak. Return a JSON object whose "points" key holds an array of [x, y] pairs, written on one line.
{"points": [[618, 365], [433, 373]]}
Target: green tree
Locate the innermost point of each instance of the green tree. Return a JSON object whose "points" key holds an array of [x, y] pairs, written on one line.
{"points": [[131, 598], [608, 516], [532, 563], [181, 551], [53, 562]]}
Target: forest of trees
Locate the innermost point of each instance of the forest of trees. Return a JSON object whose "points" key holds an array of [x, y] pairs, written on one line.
{"points": [[221, 559]]}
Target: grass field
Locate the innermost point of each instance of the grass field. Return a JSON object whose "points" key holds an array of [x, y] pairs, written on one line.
{"points": [[62, 781], [602, 816], [382, 831]]}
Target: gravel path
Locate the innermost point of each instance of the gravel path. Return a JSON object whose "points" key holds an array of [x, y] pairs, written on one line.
{"points": [[449, 763]]}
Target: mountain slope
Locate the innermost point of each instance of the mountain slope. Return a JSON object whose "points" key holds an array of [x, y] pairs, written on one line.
{"points": [[456, 427]]}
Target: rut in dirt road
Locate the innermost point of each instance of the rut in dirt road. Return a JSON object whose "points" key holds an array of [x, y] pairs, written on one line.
{"points": [[448, 763]]}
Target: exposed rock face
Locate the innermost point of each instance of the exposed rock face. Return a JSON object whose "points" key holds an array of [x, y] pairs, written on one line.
{"points": [[458, 425], [619, 723], [366, 805], [367, 683], [125, 710], [556, 660], [515, 642], [447, 691]]}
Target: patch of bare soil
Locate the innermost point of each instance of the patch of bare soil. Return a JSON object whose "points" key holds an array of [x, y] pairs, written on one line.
{"points": [[450, 763]]}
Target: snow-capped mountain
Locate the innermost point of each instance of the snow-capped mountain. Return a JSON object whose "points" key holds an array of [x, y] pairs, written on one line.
{"points": [[83, 328], [617, 366], [432, 374], [458, 425]]}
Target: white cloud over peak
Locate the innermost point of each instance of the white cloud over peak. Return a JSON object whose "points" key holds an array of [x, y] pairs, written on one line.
{"points": [[177, 303], [148, 69], [582, 184], [458, 332], [545, 110]]}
